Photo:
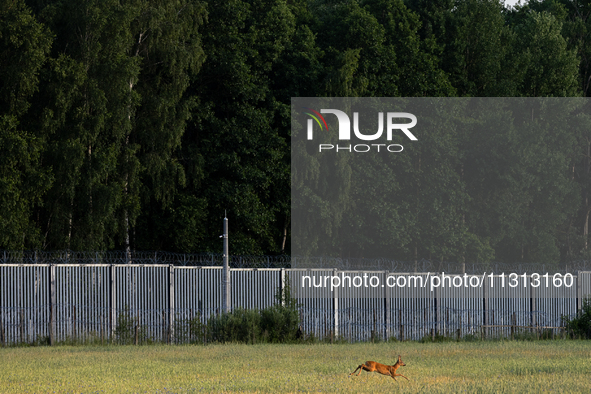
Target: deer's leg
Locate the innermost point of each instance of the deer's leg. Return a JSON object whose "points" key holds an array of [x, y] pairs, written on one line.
{"points": [[364, 367], [367, 368], [359, 367], [399, 374]]}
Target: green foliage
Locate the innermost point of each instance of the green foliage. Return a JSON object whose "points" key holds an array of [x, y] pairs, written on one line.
{"points": [[192, 330], [580, 325], [552, 69], [528, 335], [275, 324], [438, 338], [112, 111], [139, 123], [22, 185], [244, 154], [24, 46], [280, 322], [125, 327], [477, 42], [240, 325], [128, 331]]}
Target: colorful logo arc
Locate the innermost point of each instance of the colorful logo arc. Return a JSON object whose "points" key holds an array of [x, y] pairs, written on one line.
{"points": [[315, 118]]}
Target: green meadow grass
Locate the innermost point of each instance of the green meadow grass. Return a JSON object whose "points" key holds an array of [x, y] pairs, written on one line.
{"points": [[472, 367]]}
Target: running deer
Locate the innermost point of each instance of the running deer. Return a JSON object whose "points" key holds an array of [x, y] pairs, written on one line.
{"points": [[372, 366]]}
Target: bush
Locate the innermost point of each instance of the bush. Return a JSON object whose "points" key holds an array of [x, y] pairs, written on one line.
{"points": [[124, 329], [240, 325], [190, 330], [580, 325], [280, 322], [437, 339], [276, 324]]}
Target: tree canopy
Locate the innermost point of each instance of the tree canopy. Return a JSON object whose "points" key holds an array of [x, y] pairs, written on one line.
{"points": [[140, 124]]}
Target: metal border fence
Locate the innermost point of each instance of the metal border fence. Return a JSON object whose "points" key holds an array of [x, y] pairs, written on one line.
{"points": [[52, 303]]}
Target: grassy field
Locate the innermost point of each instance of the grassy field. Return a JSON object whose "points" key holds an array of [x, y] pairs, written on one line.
{"points": [[478, 367]]}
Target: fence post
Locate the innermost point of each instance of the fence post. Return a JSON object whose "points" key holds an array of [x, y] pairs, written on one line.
{"points": [[425, 323], [171, 303], [400, 326], [373, 328], [74, 325], [579, 291], [51, 304], [2, 333], [533, 306], [112, 303], [165, 335], [335, 303], [387, 307], [22, 324], [485, 306], [102, 328], [282, 285], [227, 293], [436, 303]]}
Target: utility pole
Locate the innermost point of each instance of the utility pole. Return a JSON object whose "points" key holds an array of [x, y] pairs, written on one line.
{"points": [[226, 286]]}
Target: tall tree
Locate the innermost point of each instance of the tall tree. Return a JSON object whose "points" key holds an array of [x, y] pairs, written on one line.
{"points": [[233, 134], [167, 43], [477, 44], [418, 65], [115, 110], [24, 46], [85, 104], [552, 68]]}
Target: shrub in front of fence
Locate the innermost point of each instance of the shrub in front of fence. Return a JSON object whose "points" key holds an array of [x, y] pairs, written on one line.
{"points": [[280, 322], [239, 326], [128, 331], [580, 325], [270, 325], [191, 330], [275, 324]]}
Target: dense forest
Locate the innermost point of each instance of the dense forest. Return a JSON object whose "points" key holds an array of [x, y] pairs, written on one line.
{"points": [[137, 124]]}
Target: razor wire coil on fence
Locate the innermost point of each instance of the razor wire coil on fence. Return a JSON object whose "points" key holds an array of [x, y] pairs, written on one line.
{"points": [[279, 261]]}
